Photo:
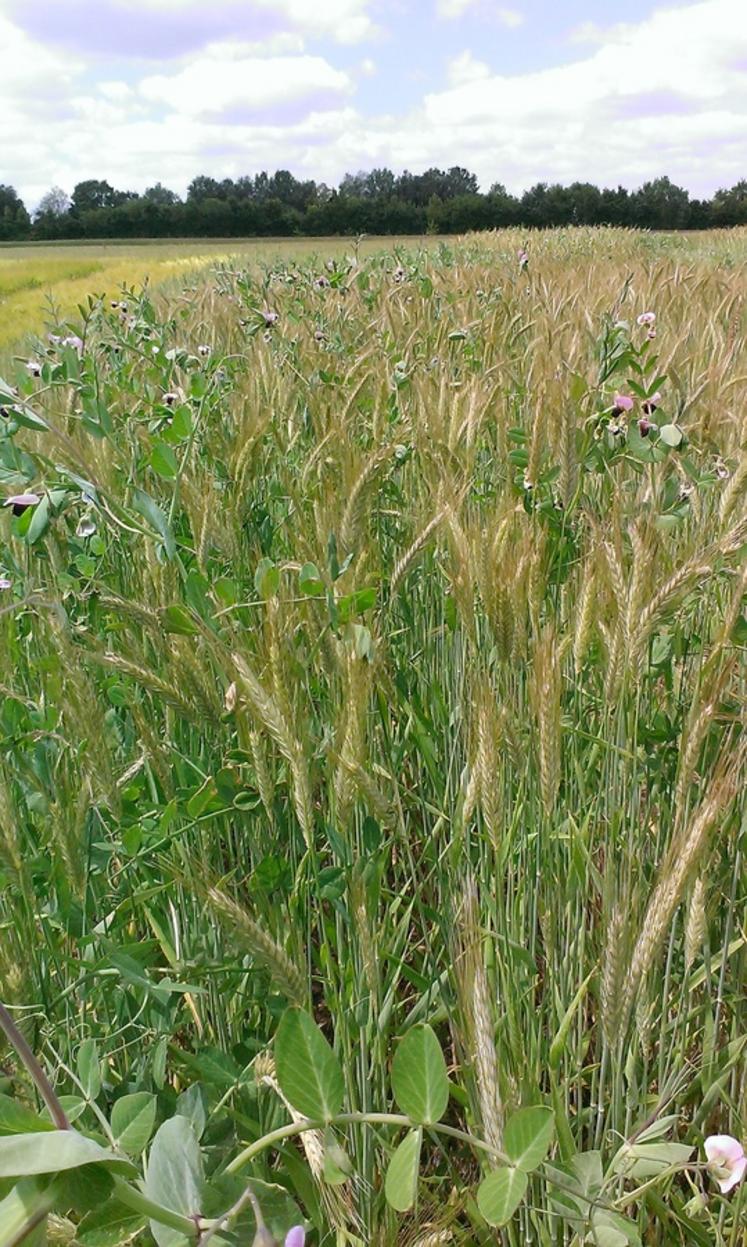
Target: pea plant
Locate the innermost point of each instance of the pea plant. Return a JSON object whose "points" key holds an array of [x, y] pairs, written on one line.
{"points": [[123, 1175]]}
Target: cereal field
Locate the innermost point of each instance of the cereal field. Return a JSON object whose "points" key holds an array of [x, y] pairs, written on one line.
{"points": [[41, 281], [371, 757]]}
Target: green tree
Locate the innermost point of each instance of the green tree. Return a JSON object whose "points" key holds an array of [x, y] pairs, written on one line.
{"points": [[161, 195], [93, 194], [14, 219], [660, 205], [729, 207]]}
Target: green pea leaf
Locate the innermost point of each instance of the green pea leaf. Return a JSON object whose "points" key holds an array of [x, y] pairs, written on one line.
{"points": [[193, 1104], [15, 1118], [89, 1068], [163, 461], [337, 1164], [308, 1070], [28, 1202], [39, 522], [309, 580], [177, 620], [109, 1226], [670, 435], [150, 511], [419, 1079], [174, 1177], [266, 579], [25, 1155], [133, 1119], [528, 1136], [500, 1194], [639, 1161], [84, 1188], [401, 1183]]}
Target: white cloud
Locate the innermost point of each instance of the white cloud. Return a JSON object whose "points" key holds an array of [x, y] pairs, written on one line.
{"points": [[347, 21], [29, 68], [452, 8], [466, 68], [510, 17], [665, 95], [586, 32], [168, 29], [221, 81], [457, 8], [116, 90], [640, 104]]}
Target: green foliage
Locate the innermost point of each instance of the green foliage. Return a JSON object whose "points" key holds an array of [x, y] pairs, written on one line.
{"points": [[370, 747], [500, 1194], [401, 1183], [528, 1136], [133, 1119], [174, 1176], [24, 1155], [419, 1079], [379, 202], [308, 1070]]}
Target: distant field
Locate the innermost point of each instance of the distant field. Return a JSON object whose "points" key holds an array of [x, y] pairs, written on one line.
{"points": [[43, 282]]}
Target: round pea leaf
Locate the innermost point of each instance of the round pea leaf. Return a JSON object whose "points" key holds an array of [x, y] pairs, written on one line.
{"points": [[308, 1070], [419, 1079], [133, 1119], [528, 1136], [670, 435], [500, 1194], [401, 1184]]}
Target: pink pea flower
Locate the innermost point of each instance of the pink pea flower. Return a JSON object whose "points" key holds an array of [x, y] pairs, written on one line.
{"points": [[33, 367], [5, 583], [203, 349], [21, 502], [645, 426], [726, 1160], [321, 283], [651, 403], [523, 256], [622, 402], [295, 1237], [74, 341], [270, 318], [170, 397], [647, 318]]}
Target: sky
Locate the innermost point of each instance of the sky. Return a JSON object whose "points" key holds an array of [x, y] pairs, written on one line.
{"points": [[141, 91]]}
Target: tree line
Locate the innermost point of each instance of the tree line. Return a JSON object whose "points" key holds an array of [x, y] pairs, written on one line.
{"points": [[378, 202]]}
